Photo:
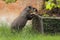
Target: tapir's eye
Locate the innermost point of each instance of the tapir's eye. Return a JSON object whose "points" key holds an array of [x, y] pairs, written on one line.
{"points": [[35, 9], [29, 7]]}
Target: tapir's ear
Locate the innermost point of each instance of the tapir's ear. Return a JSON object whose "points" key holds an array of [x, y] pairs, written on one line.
{"points": [[29, 7]]}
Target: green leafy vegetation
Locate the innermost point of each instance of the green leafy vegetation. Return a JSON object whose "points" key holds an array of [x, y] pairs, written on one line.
{"points": [[52, 8], [50, 4], [10, 1]]}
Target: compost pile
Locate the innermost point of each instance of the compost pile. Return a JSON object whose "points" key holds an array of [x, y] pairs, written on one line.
{"points": [[53, 12]]}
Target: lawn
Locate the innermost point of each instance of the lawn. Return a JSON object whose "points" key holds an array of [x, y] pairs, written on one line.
{"points": [[26, 34]]}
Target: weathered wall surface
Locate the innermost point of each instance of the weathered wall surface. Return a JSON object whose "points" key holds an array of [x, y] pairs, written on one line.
{"points": [[10, 11]]}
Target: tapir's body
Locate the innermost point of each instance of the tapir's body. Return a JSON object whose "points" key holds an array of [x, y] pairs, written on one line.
{"points": [[22, 19]]}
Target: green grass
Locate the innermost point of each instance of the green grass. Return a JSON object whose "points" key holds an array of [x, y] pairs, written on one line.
{"points": [[26, 34]]}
